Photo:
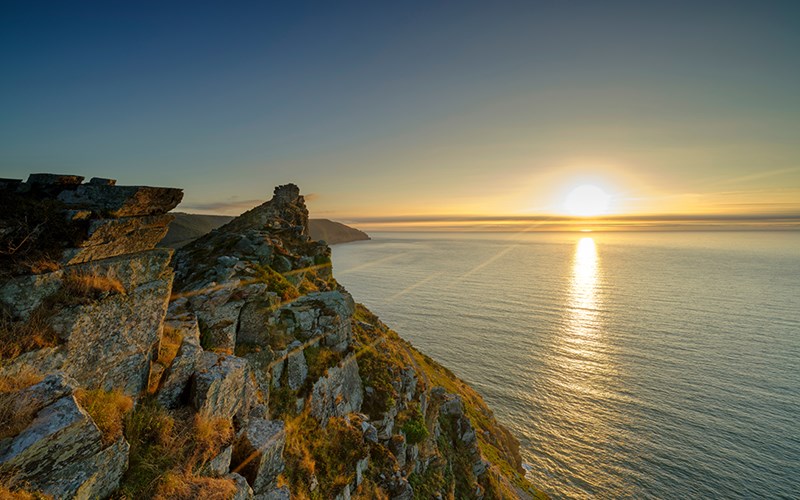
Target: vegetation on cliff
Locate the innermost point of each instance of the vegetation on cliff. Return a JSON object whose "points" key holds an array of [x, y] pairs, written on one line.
{"points": [[251, 374]]}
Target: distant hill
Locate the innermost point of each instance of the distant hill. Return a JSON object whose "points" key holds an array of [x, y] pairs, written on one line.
{"points": [[188, 227]]}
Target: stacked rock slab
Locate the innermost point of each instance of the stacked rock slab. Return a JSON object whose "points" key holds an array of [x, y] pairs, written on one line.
{"points": [[108, 337], [79, 259]]}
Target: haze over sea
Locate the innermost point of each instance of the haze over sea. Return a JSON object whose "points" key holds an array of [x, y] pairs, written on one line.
{"points": [[629, 365]]}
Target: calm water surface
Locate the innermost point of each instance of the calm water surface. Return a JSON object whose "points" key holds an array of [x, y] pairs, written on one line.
{"points": [[648, 365]]}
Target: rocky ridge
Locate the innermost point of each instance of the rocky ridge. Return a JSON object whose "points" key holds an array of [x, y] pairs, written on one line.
{"points": [[247, 372]]}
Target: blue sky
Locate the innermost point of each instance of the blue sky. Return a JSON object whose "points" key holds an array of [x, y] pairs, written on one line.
{"points": [[412, 108]]}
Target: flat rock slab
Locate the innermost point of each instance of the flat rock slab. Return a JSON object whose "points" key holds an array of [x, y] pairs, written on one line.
{"points": [[123, 201], [112, 237]]}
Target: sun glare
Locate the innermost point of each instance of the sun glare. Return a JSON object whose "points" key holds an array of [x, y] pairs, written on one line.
{"points": [[587, 200]]}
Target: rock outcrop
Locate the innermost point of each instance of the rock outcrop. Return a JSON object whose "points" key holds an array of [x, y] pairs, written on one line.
{"points": [[255, 374]]}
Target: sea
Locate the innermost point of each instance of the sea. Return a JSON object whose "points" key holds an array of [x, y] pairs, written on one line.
{"points": [[628, 365]]}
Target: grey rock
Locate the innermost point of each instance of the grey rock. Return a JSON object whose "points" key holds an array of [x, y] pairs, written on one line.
{"points": [[281, 493], [221, 323], [243, 490], [110, 343], [338, 393], [258, 453], [254, 320], [218, 385], [297, 369], [370, 432], [361, 468], [398, 447], [112, 237], [96, 477], [61, 434], [55, 179], [220, 464]]}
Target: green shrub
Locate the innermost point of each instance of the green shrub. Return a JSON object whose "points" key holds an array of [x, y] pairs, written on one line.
{"points": [[414, 428]]}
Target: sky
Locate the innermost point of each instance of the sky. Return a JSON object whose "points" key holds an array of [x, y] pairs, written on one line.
{"points": [[402, 111]]}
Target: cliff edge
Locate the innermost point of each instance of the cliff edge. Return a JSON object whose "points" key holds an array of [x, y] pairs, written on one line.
{"points": [[236, 368]]}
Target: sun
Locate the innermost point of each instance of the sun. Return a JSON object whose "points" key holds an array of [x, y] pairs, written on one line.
{"points": [[586, 201]]}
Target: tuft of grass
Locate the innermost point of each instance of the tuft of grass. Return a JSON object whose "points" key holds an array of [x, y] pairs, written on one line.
{"points": [[183, 486], [18, 337], [319, 359], [107, 409], [9, 491], [276, 282], [13, 417], [89, 285], [210, 436], [330, 453], [167, 450], [414, 427], [25, 378], [171, 339], [282, 402]]}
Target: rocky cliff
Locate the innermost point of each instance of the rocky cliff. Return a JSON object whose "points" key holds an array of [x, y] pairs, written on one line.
{"points": [[235, 368], [186, 228]]}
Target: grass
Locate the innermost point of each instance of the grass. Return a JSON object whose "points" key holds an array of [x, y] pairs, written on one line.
{"points": [[414, 426], [282, 401], [18, 337], [11, 492], [175, 486], [319, 359], [107, 409], [83, 285], [329, 453], [167, 450], [14, 418], [171, 339], [276, 282]]}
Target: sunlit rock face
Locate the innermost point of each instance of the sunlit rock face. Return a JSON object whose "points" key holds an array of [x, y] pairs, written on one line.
{"points": [[253, 339]]}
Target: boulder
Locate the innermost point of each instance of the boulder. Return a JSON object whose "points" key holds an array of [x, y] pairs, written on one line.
{"points": [[62, 434], [258, 453], [95, 477], [243, 490], [297, 369], [218, 385], [281, 493], [338, 393], [220, 464]]}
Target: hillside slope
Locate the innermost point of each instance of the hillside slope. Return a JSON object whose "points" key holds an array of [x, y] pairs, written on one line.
{"points": [[244, 372], [188, 227]]}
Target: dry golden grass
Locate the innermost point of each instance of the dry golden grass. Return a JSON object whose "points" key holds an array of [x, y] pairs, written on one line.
{"points": [[87, 284], [107, 409], [15, 417], [170, 343], [26, 377], [8, 492], [210, 436], [43, 265], [177, 486], [168, 448], [17, 337]]}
